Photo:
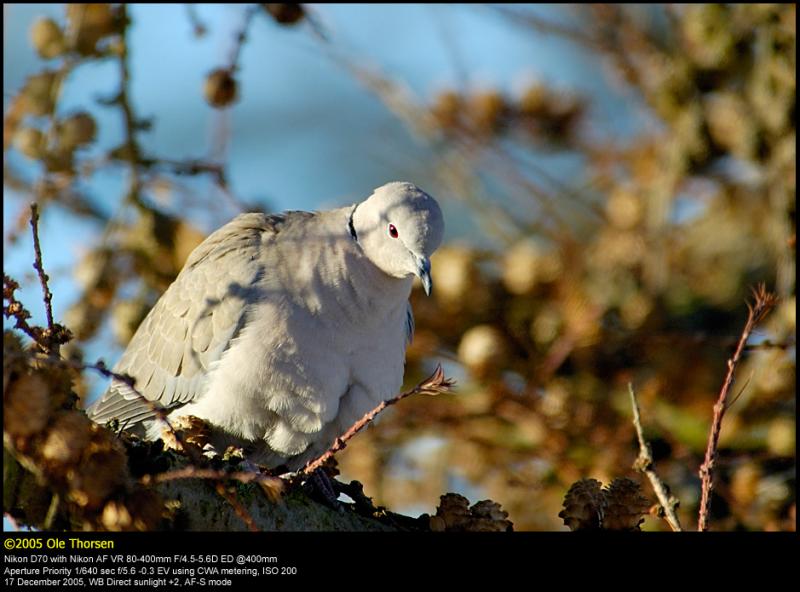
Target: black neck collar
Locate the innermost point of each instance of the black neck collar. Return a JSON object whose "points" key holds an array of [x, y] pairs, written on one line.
{"points": [[350, 226]]}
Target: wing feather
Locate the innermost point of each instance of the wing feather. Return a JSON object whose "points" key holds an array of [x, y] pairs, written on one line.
{"points": [[194, 321]]}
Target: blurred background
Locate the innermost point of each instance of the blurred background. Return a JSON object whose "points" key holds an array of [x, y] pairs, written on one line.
{"points": [[615, 179]]}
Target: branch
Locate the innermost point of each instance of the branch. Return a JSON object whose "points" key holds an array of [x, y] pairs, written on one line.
{"points": [[435, 384], [37, 265], [199, 29], [273, 484], [17, 310], [45, 339], [764, 301], [644, 464], [240, 510], [241, 37]]}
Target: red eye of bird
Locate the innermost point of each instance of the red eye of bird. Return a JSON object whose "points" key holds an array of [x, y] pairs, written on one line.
{"points": [[392, 231]]}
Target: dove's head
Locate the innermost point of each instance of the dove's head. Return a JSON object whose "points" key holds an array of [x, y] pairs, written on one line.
{"points": [[399, 227]]}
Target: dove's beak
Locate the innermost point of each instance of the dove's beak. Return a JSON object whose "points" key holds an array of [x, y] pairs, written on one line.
{"points": [[424, 273]]}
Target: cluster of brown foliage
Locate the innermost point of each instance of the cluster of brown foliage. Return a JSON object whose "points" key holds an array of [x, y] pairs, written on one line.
{"points": [[636, 272], [640, 275]]}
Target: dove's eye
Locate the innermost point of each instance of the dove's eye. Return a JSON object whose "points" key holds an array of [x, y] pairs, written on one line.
{"points": [[393, 231]]}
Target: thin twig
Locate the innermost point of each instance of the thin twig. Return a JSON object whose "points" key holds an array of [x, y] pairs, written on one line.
{"points": [[199, 29], [644, 464], [37, 265], [240, 510], [241, 36], [741, 390], [193, 472], [17, 310], [132, 149], [272, 486], [435, 384], [215, 170], [47, 340], [52, 512], [764, 301], [531, 20]]}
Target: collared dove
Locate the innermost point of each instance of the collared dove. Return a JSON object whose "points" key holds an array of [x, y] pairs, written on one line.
{"points": [[282, 330]]}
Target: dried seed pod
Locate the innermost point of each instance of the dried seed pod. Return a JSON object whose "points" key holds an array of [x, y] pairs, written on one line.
{"points": [[782, 436], [31, 142], [116, 517], [744, 483], [96, 477], [625, 505], [624, 208], [47, 38], [26, 406], [487, 111], [89, 23], [14, 363], [708, 36], [437, 524], [39, 93], [76, 130], [454, 514], [59, 161], [535, 100], [221, 88], [447, 110], [453, 510], [139, 512], [488, 516], [730, 124], [520, 265], [457, 277], [285, 14], [66, 440], [584, 505]]}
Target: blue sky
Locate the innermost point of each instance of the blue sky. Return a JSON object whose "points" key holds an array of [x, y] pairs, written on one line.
{"points": [[305, 133]]}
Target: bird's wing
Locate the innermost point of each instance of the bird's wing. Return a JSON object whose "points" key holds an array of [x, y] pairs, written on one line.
{"points": [[194, 321]]}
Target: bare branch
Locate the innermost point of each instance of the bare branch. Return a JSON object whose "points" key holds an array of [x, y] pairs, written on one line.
{"points": [[435, 384], [241, 37], [192, 472], [240, 510], [199, 29], [15, 309], [644, 464], [763, 303], [37, 265]]}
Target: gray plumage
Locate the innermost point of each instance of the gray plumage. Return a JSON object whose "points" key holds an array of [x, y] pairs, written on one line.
{"points": [[283, 330]]}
